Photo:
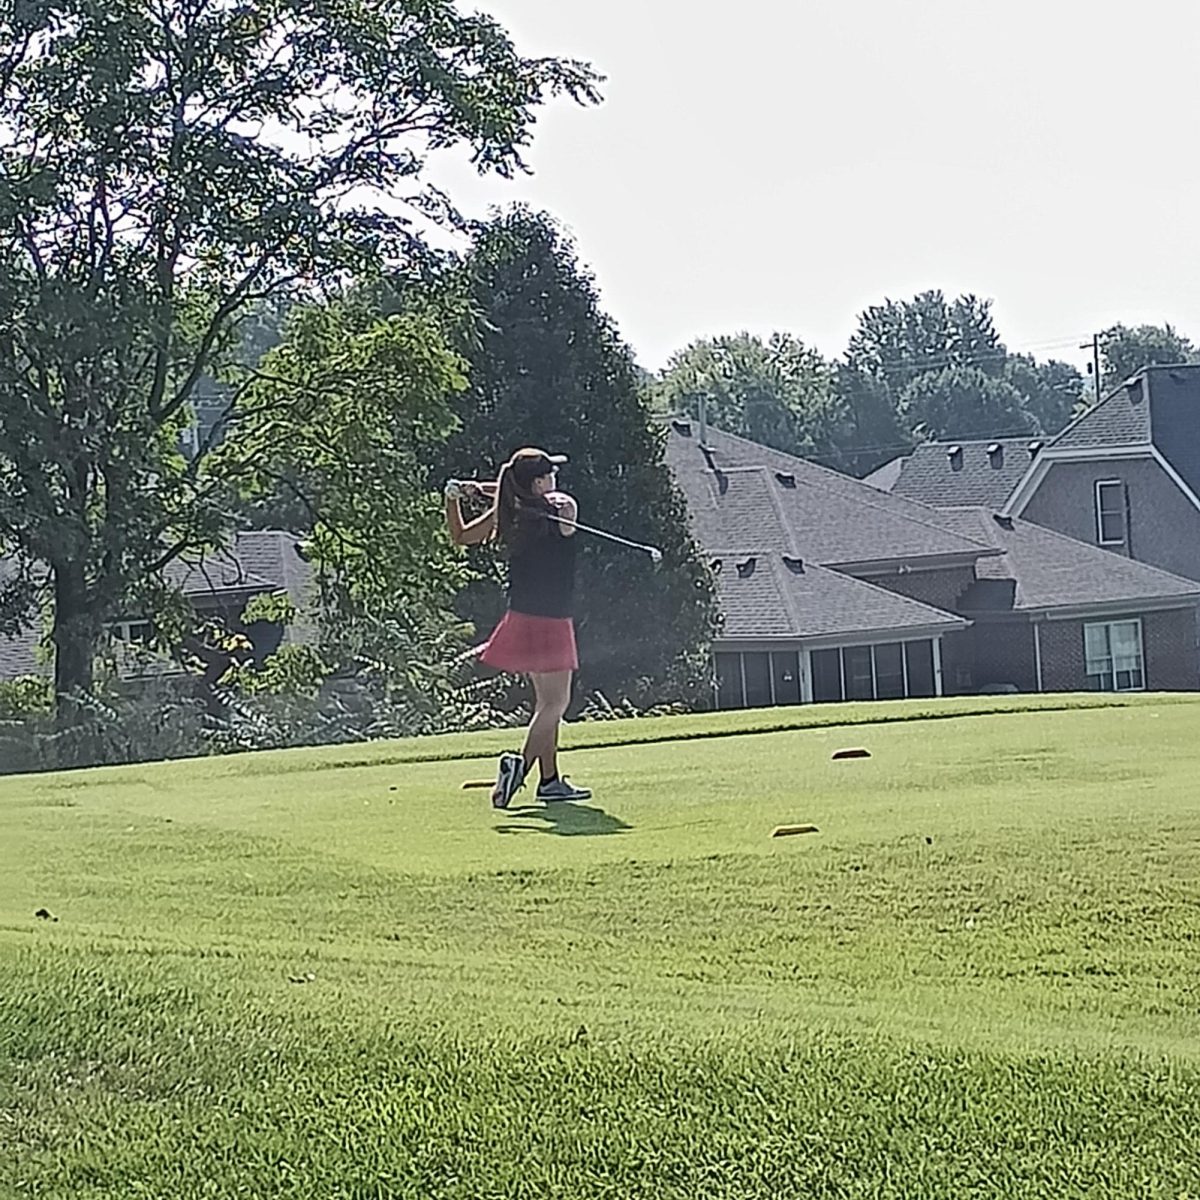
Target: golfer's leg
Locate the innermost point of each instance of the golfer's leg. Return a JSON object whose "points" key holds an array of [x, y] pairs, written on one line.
{"points": [[556, 697], [535, 736]]}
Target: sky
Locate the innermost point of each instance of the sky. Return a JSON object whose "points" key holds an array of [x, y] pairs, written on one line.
{"points": [[783, 164]]}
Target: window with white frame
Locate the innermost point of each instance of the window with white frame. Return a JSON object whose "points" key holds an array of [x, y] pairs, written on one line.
{"points": [[132, 633], [1113, 653], [1111, 505]]}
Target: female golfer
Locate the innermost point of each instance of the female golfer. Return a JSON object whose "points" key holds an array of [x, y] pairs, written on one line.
{"points": [[534, 524]]}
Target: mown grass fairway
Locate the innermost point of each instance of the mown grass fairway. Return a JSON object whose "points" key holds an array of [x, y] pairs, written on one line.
{"points": [[278, 976]]}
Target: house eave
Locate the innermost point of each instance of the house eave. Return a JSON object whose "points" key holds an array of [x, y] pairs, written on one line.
{"points": [[916, 633], [1102, 608]]}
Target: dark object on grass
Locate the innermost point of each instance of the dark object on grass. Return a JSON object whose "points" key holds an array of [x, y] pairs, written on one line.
{"points": [[44, 914], [792, 830], [929, 841], [856, 752]]}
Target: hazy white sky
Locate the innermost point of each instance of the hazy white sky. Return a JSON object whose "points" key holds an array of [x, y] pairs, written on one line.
{"points": [[782, 164]]}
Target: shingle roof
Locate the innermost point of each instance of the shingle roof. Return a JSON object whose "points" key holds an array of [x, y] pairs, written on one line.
{"points": [[769, 596], [1122, 418], [957, 473], [1055, 571], [744, 497]]}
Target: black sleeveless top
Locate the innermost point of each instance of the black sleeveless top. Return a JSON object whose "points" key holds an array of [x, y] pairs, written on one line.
{"points": [[541, 574]]}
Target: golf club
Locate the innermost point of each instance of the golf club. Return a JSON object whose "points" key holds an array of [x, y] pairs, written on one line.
{"points": [[654, 552]]}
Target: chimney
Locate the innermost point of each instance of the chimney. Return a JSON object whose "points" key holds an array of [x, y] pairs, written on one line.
{"points": [[995, 453], [702, 406]]}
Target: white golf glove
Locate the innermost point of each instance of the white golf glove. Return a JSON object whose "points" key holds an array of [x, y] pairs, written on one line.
{"points": [[454, 489]]}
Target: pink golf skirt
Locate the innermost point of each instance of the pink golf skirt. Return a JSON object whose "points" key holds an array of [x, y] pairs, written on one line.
{"points": [[526, 645]]}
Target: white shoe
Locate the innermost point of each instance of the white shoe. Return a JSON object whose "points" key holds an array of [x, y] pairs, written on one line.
{"points": [[562, 789], [510, 778]]}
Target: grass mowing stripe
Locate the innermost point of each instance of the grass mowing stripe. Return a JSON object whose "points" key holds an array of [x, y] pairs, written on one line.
{"points": [[978, 979], [597, 735]]}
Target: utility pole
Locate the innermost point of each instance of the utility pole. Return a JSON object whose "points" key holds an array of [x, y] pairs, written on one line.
{"points": [[1094, 347]]}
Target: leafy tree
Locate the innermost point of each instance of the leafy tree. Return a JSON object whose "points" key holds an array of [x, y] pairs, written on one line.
{"points": [[1051, 390], [548, 368], [963, 402], [933, 368], [164, 168], [1124, 350], [897, 341], [778, 392]]}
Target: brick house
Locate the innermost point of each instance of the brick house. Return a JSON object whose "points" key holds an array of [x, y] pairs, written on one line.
{"points": [[831, 589], [1125, 475]]}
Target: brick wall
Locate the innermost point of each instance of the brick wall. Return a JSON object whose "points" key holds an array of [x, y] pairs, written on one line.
{"points": [[1168, 643], [940, 588], [1164, 527]]}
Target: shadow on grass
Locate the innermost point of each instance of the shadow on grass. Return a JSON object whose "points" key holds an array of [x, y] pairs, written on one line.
{"points": [[564, 820]]}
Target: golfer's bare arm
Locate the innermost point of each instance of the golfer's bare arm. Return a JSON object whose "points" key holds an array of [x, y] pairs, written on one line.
{"points": [[568, 511], [471, 533]]}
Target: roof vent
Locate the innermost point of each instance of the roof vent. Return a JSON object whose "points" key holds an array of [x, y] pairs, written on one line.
{"points": [[1136, 387], [995, 453], [795, 565], [1035, 448], [786, 479], [708, 457], [681, 427], [1003, 521], [746, 568], [955, 456], [716, 565]]}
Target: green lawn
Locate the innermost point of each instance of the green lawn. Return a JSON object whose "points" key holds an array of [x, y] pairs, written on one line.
{"points": [[336, 974]]}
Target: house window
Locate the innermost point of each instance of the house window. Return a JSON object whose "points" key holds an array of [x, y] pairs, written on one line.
{"points": [[132, 633], [887, 671], [756, 669], [827, 676], [729, 681], [1113, 651], [785, 665], [918, 668], [1111, 502]]}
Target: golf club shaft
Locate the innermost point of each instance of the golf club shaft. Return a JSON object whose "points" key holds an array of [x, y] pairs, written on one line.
{"points": [[612, 537]]}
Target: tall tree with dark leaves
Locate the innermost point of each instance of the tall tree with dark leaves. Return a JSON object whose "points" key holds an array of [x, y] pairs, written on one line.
{"points": [[778, 392], [549, 369], [1125, 349], [165, 168], [932, 368]]}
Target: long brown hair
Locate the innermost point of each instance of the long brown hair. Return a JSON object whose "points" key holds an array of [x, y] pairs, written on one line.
{"points": [[520, 513]]}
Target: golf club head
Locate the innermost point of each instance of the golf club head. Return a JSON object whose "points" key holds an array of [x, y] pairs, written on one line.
{"points": [[655, 556]]}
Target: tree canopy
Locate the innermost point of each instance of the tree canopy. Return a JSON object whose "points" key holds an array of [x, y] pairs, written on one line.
{"points": [[778, 392], [1124, 350], [163, 170]]}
